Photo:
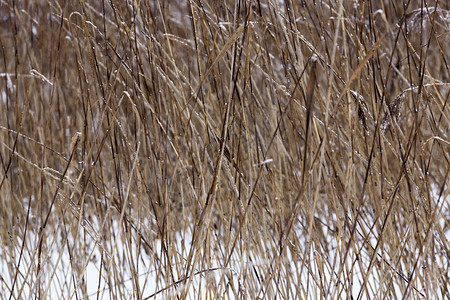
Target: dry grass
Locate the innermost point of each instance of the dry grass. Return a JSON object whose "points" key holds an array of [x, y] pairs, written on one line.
{"points": [[237, 149]]}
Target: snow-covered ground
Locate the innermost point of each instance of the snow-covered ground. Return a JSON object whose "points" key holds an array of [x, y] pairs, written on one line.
{"points": [[65, 278]]}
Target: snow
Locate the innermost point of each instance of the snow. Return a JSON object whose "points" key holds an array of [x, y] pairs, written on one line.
{"points": [[63, 276]]}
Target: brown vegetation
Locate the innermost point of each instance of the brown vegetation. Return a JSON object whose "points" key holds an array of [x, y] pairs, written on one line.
{"points": [[237, 149]]}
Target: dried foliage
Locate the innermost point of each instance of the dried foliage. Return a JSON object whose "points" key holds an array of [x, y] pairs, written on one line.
{"points": [[224, 149]]}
